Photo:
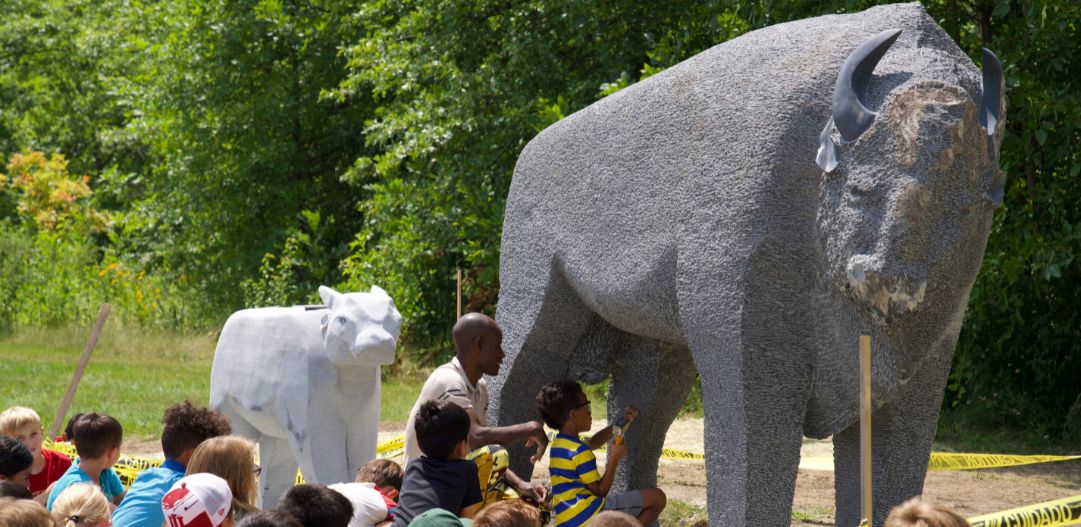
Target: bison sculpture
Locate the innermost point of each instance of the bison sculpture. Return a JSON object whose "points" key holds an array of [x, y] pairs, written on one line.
{"points": [[746, 215]]}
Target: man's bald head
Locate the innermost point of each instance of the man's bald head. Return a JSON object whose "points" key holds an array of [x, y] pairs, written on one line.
{"points": [[471, 326], [479, 344]]}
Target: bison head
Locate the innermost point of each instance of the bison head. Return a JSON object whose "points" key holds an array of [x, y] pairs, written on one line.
{"points": [[908, 192], [906, 200], [360, 328]]}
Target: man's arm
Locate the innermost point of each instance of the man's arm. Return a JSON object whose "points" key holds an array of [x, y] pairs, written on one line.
{"points": [[526, 489], [470, 511], [531, 431]]}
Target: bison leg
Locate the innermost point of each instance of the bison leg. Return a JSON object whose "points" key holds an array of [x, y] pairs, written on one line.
{"points": [[656, 378], [901, 434], [542, 319]]}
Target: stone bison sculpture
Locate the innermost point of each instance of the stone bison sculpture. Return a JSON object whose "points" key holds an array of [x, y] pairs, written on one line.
{"points": [[747, 214], [304, 382]]}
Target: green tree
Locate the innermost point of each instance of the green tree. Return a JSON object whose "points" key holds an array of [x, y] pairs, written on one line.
{"points": [[242, 141]]}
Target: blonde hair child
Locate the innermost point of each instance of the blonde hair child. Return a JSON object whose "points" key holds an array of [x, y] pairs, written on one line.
{"points": [[231, 458], [82, 505]]}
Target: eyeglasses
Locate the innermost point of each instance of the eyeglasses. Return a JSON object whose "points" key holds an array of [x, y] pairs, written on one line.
{"points": [[257, 470], [577, 406]]}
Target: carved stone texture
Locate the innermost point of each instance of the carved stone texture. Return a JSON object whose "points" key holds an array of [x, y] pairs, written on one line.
{"points": [[304, 382], [683, 223]]}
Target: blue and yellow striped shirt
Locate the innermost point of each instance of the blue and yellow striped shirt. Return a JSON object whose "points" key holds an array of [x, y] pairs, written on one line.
{"points": [[572, 466]]}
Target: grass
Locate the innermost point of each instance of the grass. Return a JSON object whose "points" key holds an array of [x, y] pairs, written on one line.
{"points": [[814, 515], [133, 375], [679, 513]]}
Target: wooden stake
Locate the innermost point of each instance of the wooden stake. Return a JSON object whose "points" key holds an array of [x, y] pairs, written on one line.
{"points": [[459, 293], [865, 428], [62, 411]]}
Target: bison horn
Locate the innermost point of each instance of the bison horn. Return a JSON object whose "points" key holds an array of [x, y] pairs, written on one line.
{"points": [[991, 103], [850, 114]]}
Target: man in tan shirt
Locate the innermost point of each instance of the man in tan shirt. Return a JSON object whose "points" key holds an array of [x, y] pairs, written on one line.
{"points": [[479, 345]]}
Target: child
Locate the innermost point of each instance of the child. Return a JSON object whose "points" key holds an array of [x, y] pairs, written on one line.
{"points": [[24, 424], [578, 489], [97, 441], [441, 478], [23, 513], [316, 506], [373, 493], [508, 513], [198, 500], [231, 458], [81, 505], [15, 461], [186, 427], [915, 513], [68, 436]]}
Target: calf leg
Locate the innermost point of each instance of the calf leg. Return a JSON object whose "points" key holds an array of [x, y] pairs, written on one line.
{"points": [[279, 470]]}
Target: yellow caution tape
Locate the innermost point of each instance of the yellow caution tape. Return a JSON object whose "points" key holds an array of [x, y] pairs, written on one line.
{"points": [[1058, 513], [952, 461]]}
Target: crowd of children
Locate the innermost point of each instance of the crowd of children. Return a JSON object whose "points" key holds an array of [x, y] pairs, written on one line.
{"points": [[209, 478]]}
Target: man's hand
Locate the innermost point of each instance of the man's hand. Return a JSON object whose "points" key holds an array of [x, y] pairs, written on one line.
{"points": [[537, 438], [533, 492]]}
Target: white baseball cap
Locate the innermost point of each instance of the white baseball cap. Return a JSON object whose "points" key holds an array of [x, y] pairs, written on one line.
{"points": [[197, 500]]}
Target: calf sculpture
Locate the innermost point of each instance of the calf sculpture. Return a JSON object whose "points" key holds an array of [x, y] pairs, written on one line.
{"points": [[304, 382], [747, 214]]}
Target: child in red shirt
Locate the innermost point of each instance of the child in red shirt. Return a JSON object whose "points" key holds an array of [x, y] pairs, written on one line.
{"points": [[24, 424]]}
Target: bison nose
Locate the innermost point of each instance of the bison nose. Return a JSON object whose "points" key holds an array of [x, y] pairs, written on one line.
{"points": [[890, 294]]}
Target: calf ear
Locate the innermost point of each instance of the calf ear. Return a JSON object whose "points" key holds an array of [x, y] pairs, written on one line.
{"points": [[379, 291], [328, 295]]}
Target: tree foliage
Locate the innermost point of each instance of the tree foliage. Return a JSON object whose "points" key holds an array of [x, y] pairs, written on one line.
{"points": [[242, 152]]}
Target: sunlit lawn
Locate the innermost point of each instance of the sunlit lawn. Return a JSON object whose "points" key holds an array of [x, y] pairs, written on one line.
{"points": [[133, 376]]}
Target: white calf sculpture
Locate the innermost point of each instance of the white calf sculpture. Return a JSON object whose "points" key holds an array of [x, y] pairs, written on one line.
{"points": [[304, 383]]}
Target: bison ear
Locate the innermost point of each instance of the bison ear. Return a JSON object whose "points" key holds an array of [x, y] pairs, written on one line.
{"points": [[850, 114], [827, 151], [991, 101], [328, 295]]}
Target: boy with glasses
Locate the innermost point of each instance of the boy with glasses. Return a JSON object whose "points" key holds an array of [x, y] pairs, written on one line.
{"points": [[579, 491]]}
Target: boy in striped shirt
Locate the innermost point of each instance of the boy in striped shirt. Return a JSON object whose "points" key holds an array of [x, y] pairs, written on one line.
{"points": [[579, 491]]}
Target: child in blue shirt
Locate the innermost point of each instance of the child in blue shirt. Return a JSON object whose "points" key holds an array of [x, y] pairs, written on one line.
{"points": [[97, 441]]}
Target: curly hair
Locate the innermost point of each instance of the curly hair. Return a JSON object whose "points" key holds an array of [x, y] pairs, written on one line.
{"points": [[916, 513], [187, 425], [556, 400]]}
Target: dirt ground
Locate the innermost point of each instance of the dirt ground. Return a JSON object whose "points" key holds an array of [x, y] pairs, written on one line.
{"points": [[971, 493]]}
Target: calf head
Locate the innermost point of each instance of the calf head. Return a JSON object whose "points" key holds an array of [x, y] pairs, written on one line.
{"points": [[360, 328]]}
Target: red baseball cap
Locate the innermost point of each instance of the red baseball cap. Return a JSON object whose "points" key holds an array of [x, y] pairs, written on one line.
{"points": [[197, 500]]}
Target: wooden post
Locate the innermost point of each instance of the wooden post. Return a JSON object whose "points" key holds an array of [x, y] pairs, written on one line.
{"points": [[62, 411], [459, 304], [865, 428]]}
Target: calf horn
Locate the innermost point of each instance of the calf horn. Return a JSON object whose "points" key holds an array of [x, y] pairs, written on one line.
{"points": [[991, 101], [850, 115]]}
